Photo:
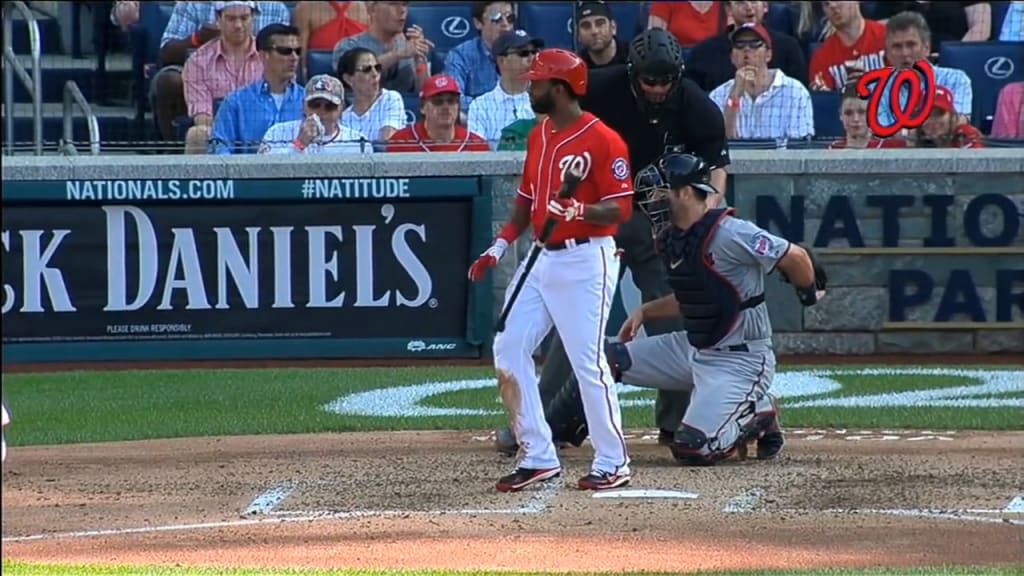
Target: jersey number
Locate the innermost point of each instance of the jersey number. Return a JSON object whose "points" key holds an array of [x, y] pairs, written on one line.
{"points": [[578, 163]]}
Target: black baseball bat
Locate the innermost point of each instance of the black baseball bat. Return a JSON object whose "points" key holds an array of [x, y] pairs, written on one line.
{"points": [[569, 185]]}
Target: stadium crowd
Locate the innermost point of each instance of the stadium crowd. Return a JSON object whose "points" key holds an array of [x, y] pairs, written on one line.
{"points": [[237, 74]]}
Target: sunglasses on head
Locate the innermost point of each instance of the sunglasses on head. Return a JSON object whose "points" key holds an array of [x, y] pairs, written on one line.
{"points": [[508, 17], [366, 69], [320, 104], [524, 53], [287, 50], [753, 44]]}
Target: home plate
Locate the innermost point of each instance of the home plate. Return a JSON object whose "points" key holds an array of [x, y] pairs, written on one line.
{"points": [[645, 494], [1015, 506]]}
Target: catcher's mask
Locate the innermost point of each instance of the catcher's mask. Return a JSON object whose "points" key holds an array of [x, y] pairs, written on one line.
{"points": [[650, 185], [672, 171]]}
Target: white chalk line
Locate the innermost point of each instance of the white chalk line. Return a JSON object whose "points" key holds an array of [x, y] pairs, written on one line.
{"points": [[745, 502], [924, 513], [267, 501], [540, 502]]}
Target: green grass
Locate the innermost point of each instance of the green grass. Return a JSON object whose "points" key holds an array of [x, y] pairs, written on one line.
{"points": [[71, 407], [22, 569]]}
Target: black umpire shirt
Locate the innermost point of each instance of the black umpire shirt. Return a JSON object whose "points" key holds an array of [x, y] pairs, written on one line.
{"points": [[709, 64], [692, 120]]}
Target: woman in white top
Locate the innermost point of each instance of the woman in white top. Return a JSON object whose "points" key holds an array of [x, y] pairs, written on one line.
{"points": [[321, 131], [375, 111]]}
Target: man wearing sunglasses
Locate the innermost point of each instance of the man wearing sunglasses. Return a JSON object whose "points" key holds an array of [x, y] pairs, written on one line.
{"points": [[473, 63], [321, 131], [509, 101], [245, 114]]}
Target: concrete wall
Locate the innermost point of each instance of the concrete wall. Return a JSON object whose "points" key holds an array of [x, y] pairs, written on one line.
{"points": [[854, 319]]}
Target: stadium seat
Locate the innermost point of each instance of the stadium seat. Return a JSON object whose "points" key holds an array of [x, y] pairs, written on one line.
{"points": [[999, 10], [779, 18], [630, 18], [446, 24], [552, 21], [990, 66], [412, 107], [320, 62], [826, 115]]}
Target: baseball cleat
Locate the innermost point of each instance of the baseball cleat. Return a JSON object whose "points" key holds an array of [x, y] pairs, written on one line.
{"points": [[603, 481], [524, 477], [771, 440], [665, 437]]}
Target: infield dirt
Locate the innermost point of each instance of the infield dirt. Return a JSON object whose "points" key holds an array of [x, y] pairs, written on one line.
{"points": [[427, 500]]}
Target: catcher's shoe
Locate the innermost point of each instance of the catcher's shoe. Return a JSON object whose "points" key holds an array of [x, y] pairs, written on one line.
{"points": [[604, 481], [771, 440], [524, 477]]}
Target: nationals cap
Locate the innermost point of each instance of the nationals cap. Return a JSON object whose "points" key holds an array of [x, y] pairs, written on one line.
{"points": [[439, 84], [944, 99], [752, 28], [515, 40]]}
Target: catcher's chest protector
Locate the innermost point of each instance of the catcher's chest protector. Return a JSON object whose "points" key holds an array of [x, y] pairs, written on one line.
{"points": [[710, 304]]}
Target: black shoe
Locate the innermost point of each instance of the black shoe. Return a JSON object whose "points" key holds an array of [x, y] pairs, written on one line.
{"points": [[665, 437], [524, 477], [771, 441]]}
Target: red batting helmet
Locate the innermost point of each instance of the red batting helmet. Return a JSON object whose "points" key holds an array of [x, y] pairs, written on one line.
{"points": [[558, 64]]}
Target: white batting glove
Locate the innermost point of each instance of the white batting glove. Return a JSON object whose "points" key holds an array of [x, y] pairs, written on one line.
{"points": [[566, 209]]}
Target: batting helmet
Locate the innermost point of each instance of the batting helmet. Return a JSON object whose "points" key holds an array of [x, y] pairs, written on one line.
{"points": [[558, 64], [671, 171]]}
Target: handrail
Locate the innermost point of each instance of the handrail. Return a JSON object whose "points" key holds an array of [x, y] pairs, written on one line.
{"points": [[34, 86], [73, 95]]}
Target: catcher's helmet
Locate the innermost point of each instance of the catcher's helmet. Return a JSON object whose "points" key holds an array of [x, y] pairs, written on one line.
{"points": [[558, 64], [672, 171], [656, 56]]}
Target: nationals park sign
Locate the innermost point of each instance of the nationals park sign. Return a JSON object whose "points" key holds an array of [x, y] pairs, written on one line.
{"points": [[191, 269]]}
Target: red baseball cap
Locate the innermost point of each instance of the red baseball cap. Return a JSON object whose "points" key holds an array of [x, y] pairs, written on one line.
{"points": [[439, 84], [754, 28], [944, 99]]}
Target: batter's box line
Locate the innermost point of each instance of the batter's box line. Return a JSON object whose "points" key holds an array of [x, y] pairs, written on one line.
{"points": [[964, 515]]}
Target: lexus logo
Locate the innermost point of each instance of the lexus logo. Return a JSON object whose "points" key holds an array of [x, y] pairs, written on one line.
{"points": [[999, 68], [568, 26], [455, 26]]}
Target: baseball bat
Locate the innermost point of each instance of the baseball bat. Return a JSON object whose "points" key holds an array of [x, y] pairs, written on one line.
{"points": [[572, 180]]}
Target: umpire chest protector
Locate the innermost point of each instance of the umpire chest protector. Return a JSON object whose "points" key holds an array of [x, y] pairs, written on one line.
{"points": [[710, 304]]}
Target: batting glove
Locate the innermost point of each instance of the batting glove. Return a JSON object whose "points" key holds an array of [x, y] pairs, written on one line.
{"points": [[566, 209], [489, 259]]}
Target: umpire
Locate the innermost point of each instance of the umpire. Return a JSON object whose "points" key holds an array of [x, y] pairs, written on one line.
{"points": [[651, 103]]}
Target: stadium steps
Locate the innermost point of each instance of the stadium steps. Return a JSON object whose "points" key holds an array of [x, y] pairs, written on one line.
{"points": [[115, 123]]}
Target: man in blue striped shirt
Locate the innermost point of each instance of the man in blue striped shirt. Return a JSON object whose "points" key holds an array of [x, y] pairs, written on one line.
{"points": [[472, 63], [245, 114]]}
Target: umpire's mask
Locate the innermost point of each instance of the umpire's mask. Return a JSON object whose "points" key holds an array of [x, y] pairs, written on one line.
{"points": [[650, 186]]}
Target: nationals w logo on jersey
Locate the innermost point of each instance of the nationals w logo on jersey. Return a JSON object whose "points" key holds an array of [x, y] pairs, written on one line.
{"points": [[578, 163]]}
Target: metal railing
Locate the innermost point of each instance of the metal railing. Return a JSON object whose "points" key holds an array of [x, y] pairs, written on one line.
{"points": [[33, 84], [72, 96]]}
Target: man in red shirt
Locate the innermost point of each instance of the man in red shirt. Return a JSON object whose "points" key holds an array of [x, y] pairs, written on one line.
{"points": [[439, 131], [573, 281], [945, 128], [857, 46], [853, 113]]}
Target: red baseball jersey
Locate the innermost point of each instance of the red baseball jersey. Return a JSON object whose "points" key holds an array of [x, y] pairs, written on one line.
{"points": [[828, 64], [414, 138], [589, 146], [873, 143]]}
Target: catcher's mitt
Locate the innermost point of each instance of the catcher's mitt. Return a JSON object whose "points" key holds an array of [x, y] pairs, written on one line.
{"points": [[809, 296]]}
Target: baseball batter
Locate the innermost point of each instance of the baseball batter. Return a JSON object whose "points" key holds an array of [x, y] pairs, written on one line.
{"points": [[716, 267], [574, 279]]}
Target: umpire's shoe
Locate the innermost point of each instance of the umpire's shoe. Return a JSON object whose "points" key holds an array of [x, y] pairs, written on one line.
{"points": [[523, 477], [771, 440]]}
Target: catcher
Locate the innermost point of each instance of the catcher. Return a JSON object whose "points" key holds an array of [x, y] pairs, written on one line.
{"points": [[716, 266]]}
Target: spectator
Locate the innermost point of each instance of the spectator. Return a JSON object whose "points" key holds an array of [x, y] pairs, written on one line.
{"points": [[1009, 118], [761, 102], [402, 54], [945, 128], [515, 135], [246, 114], [472, 63], [811, 24], [323, 24], [509, 101], [948, 21], [597, 36], [192, 25], [908, 40], [376, 112], [321, 131], [439, 131], [1013, 23], [690, 22], [858, 45], [853, 113], [218, 68], [710, 62]]}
